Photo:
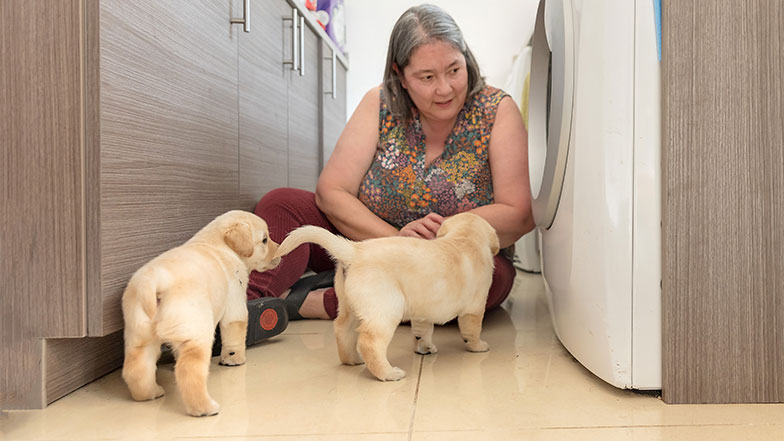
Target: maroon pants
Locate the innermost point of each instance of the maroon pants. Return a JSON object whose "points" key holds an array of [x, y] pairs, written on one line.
{"points": [[285, 209]]}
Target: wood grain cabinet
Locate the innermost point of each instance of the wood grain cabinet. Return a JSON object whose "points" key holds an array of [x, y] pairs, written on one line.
{"points": [[722, 202], [165, 143], [286, 119], [303, 106], [126, 127], [278, 117], [333, 100]]}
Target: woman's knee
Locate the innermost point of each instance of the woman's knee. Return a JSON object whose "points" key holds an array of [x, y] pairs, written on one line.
{"points": [[503, 279]]}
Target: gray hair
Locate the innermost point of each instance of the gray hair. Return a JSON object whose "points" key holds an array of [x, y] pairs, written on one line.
{"points": [[417, 26]]}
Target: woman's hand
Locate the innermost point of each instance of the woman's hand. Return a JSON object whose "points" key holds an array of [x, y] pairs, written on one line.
{"points": [[424, 228]]}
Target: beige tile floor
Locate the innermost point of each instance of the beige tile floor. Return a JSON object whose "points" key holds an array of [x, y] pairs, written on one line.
{"points": [[293, 388]]}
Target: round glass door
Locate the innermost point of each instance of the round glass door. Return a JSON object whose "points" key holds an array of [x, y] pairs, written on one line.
{"points": [[550, 106]]}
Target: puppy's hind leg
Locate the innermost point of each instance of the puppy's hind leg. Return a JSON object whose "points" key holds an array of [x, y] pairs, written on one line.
{"points": [[139, 367], [346, 335], [190, 371], [142, 345], [423, 331], [379, 312], [374, 339], [470, 327]]}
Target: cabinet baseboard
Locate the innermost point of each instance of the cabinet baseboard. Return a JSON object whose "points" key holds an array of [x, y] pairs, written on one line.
{"points": [[74, 362]]}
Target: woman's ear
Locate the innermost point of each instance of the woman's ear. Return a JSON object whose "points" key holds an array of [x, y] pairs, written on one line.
{"points": [[399, 74]]}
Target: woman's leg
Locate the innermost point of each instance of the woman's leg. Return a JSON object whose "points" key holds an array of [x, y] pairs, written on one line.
{"points": [[503, 279], [285, 209], [330, 303]]}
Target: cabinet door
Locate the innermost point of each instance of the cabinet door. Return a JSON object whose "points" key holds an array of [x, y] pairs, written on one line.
{"points": [[263, 100], [41, 237], [722, 159], [333, 108], [303, 118], [168, 134]]}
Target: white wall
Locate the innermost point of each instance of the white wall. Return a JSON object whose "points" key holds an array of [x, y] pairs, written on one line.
{"points": [[495, 30]]}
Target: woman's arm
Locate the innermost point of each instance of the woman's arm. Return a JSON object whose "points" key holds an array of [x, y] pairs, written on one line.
{"points": [[510, 213], [338, 184]]}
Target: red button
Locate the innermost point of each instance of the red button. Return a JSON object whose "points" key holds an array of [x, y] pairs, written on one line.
{"points": [[268, 319]]}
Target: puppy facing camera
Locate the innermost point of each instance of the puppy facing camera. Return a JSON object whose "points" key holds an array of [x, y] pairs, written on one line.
{"points": [[381, 282], [179, 297]]}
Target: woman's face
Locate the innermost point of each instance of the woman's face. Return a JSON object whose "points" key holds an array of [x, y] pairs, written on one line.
{"points": [[436, 80]]}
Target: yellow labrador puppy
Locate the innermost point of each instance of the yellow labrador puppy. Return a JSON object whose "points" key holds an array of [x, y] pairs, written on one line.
{"points": [[180, 296], [381, 282]]}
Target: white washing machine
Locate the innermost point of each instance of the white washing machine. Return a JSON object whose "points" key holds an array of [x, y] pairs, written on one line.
{"points": [[594, 116]]}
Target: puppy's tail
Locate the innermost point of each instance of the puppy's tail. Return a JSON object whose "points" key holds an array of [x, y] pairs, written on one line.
{"points": [[140, 300], [340, 248]]}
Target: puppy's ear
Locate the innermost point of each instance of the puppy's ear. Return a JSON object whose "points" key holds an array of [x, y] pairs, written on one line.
{"points": [[495, 247], [239, 237], [444, 229]]}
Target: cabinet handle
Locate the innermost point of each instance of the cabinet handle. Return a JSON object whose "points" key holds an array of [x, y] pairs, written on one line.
{"points": [[245, 20], [302, 46], [294, 37], [334, 75]]}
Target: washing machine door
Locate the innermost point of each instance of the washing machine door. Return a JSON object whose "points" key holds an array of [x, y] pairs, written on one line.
{"points": [[550, 106]]}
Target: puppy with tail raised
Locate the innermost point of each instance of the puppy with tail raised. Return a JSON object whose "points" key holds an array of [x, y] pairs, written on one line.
{"points": [[381, 282], [180, 296]]}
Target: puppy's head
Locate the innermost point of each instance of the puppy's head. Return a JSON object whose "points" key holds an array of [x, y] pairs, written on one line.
{"points": [[472, 227], [248, 236]]}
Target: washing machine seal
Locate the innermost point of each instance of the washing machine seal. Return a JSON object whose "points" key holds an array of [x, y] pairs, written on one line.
{"points": [[550, 106]]}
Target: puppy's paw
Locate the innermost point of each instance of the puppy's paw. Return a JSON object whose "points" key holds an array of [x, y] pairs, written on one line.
{"points": [[352, 361], [146, 395], [232, 358], [158, 392], [393, 374], [424, 348], [481, 346], [209, 408]]}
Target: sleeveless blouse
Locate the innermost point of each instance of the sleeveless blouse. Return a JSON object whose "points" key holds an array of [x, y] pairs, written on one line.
{"points": [[399, 188]]}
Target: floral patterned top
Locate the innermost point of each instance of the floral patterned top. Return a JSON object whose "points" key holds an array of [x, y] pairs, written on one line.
{"points": [[400, 189]]}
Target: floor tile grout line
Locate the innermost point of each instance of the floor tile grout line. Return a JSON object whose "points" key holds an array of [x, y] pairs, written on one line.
{"points": [[416, 397], [576, 428], [280, 435], [652, 426]]}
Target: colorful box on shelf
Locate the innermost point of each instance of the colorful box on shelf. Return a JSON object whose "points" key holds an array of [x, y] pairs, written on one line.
{"points": [[331, 15]]}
